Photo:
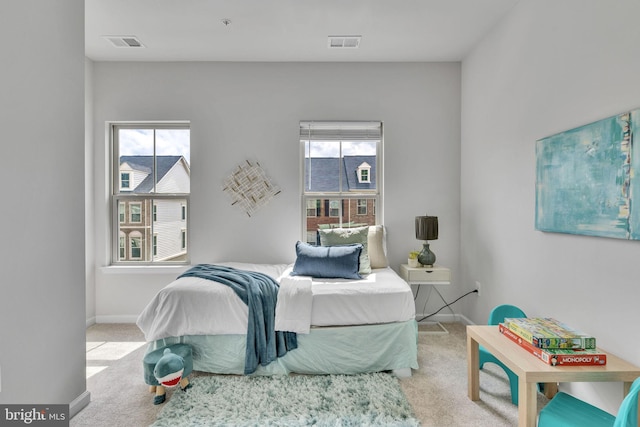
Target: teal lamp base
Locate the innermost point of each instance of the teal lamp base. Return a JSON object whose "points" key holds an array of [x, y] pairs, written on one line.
{"points": [[426, 257]]}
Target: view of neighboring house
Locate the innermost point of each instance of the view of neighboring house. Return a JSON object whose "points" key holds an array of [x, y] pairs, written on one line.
{"points": [[153, 228], [358, 175]]}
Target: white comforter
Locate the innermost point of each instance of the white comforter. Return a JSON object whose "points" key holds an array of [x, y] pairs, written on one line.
{"points": [[195, 306], [380, 297]]}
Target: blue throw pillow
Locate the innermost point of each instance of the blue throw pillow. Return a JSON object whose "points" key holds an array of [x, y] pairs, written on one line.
{"points": [[331, 262]]}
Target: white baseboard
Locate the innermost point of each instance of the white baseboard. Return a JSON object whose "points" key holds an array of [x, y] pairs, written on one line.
{"points": [[464, 320], [131, 318], [459, 318], [440, 318], [79, 403]]}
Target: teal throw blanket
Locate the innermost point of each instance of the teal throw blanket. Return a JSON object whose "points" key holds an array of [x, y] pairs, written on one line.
{"points": [[260, 293]]}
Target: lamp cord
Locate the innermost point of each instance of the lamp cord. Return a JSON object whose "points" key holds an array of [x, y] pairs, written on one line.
{"points": [[447, 305]]}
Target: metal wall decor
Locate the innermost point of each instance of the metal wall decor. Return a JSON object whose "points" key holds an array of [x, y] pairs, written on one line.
{"points": [[249, 187]]}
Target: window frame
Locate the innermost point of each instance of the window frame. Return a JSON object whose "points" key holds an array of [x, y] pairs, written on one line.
{"points": [[376, 195], [122, 196]]}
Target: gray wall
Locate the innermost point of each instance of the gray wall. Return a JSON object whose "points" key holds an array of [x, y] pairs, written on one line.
{"points": [[42, 296], [549, 66], [90, 254], [244, 111]]}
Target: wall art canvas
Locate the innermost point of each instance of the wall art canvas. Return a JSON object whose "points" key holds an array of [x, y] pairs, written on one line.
{"points": [[585, 180], [249, 187]]}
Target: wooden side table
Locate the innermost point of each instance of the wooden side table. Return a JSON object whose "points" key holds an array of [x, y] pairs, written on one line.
{"points": [[531, 371], [428, 276]]}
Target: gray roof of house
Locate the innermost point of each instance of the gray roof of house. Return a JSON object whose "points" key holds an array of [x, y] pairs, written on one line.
{"points": [[325, 173], [145, 164]]}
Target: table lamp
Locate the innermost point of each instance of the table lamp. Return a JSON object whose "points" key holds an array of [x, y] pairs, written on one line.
{"points": [[426, 229]]}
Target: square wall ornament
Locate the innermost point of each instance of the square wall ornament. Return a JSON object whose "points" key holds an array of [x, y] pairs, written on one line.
{"points": [[587, 180], [249, 187]]}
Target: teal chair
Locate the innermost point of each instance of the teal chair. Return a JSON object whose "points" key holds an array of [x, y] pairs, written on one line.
{"points": [[566, 411], [497, 315]]}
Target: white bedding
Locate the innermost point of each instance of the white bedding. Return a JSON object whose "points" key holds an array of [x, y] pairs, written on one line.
{"points": [[295, 301], [380, 297], [195, 306]]}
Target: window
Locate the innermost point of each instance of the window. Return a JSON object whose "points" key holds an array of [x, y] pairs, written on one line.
{"points": [[313, 207], [135, 212], [362, 206], [342, 175], [135, 241], [122, 245], [155, 244], [334, 208], [124, 180], [151, 187], [363, 173]]}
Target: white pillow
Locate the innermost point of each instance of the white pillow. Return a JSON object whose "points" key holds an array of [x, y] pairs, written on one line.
{"points": [[377, 250]]}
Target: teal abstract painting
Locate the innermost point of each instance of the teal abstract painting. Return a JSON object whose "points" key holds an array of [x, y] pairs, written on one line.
{"points": [[585, 181]]}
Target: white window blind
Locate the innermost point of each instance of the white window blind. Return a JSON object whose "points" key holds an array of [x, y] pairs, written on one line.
{"points": [[340, 131], [334, 156]]}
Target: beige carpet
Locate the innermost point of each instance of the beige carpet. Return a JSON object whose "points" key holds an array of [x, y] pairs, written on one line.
{"points": [[437, 391]]}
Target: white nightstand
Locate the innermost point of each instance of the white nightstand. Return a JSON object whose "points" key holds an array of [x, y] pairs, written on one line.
{"points": [[429, 276]]}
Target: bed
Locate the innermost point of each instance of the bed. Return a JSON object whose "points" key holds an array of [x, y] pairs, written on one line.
{"points": [[342, 325]]}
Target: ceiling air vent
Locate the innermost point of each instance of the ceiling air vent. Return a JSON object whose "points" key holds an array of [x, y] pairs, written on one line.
{"points": [[342, 42], [124, 41]]}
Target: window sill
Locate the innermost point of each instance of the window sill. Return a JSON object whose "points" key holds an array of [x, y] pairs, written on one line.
{"points": [[144, 269]]}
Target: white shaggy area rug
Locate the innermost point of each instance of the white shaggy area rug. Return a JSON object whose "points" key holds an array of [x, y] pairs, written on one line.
{"points": [[296, 400]]}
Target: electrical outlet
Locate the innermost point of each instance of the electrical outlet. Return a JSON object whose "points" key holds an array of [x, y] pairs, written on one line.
{"points": [[478, 286]]}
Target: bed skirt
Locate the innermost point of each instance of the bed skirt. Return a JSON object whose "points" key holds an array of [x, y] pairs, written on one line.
{"points": [[326, 350]]}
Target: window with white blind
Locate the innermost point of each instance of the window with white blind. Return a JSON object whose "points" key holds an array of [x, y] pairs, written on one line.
{"points": [[342, 175]]}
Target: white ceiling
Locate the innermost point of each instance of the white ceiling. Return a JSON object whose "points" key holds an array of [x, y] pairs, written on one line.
{"points": [[289, 30]]}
